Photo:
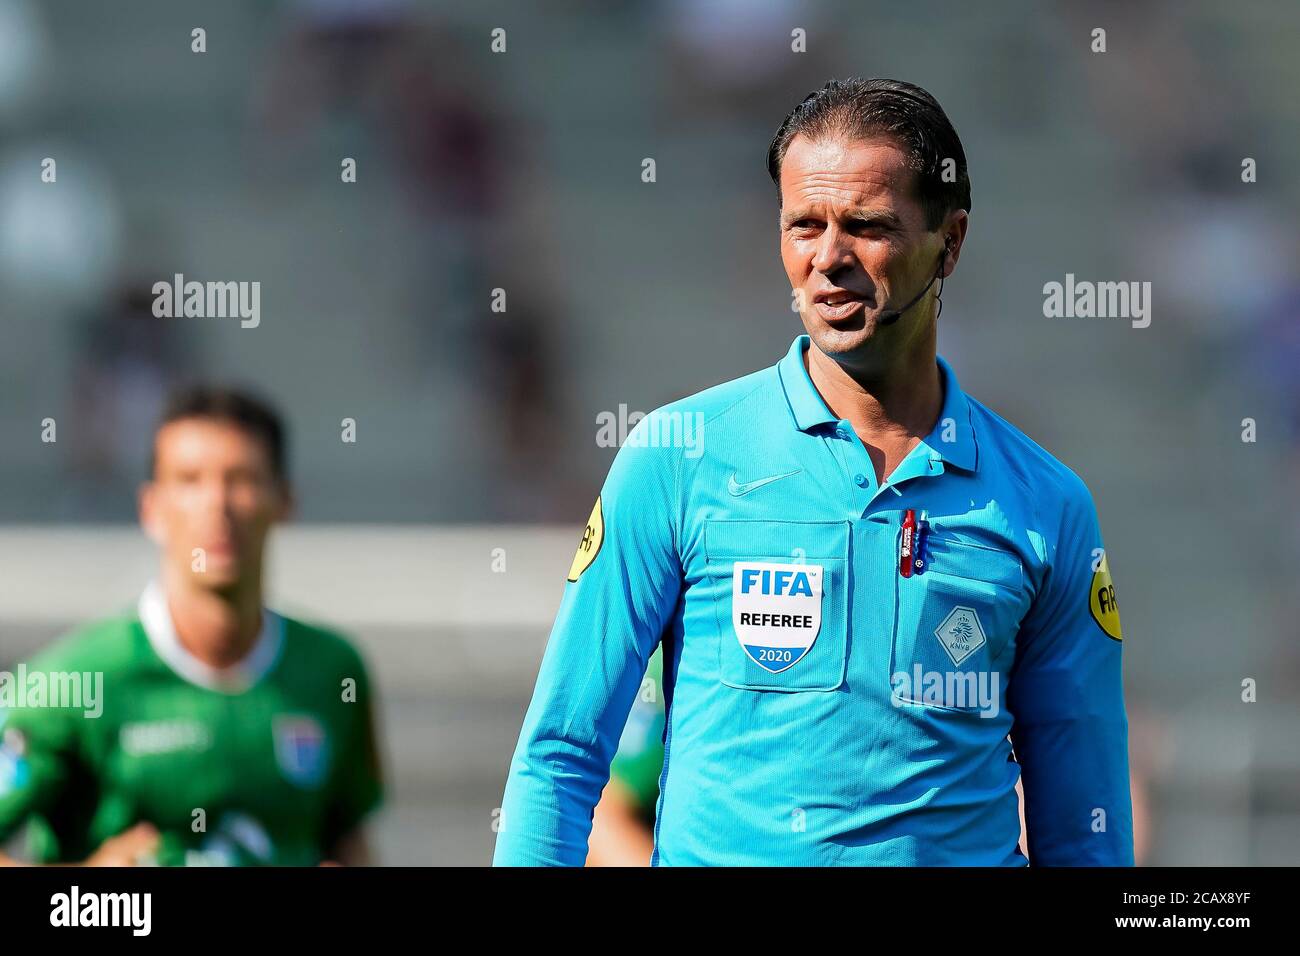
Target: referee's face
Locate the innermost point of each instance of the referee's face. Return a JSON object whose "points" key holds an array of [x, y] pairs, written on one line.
{"points": [[854, 243]]}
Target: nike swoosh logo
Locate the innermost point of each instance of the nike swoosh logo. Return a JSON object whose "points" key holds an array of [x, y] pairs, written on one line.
{"points": [[737, 488]]}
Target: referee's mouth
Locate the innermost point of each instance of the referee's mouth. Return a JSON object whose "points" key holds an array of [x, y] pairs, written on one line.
{"points": [[839, 305]]}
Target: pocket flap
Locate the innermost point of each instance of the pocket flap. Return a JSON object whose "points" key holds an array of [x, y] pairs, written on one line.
{"points": [[976, 562], [814, 540]]}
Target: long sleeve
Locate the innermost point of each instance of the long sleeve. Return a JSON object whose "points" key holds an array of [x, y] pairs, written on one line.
{"points": [[622, 592], [1066, 695]]}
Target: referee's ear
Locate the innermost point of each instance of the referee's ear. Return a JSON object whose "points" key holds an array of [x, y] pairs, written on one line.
{"points": [[953, 232]]}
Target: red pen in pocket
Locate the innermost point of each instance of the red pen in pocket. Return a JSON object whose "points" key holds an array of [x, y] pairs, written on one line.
{"points": [[905, 546]]}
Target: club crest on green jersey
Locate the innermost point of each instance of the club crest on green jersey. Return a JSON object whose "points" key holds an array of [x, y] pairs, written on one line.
{"points": [[301, 750], [15, 771]]}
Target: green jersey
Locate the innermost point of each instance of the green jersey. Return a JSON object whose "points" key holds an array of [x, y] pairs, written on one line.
{"points": [[639, 761], [270, 762]]}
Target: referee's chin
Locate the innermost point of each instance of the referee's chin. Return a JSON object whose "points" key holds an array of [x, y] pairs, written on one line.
{"points": [[859, 335]]}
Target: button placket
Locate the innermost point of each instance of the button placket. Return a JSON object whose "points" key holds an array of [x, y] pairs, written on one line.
{"points": [[857, 466]]}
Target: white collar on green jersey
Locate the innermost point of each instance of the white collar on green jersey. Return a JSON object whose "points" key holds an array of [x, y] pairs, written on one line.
{"points": [[161, 631]]}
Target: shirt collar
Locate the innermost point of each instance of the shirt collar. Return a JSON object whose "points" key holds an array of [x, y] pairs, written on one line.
{"points": [[156, 619], [806, 403], [952, 439]]}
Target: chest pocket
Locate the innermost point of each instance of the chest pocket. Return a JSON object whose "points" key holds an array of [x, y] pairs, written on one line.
{"points": [[955, 624], [779, 591]]}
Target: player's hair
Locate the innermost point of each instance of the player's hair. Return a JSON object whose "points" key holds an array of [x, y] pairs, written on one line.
{"points": [[247, 412], [866, 109]]}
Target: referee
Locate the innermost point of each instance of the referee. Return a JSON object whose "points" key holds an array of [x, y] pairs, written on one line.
{"points": [[880, 604]]}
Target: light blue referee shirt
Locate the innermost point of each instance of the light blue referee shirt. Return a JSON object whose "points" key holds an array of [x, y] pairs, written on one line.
{"points": [[823, 707]]}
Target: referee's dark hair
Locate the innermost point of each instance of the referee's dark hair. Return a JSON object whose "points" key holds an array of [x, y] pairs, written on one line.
{"points": [[250, 414], [863, 109]]}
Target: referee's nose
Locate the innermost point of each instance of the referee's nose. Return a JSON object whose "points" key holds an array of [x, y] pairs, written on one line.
{"points": [[834, 251]]}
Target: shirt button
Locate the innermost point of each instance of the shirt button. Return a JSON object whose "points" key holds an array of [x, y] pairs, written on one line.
{"points": [[860, 480]]}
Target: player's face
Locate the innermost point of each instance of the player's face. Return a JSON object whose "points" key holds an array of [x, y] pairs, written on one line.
{"points": [[854, 242], [213, 489]]}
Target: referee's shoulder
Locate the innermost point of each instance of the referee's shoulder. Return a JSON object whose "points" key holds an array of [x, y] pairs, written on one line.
{"points": [[721, 401], [1006, 450], [673, 439]]}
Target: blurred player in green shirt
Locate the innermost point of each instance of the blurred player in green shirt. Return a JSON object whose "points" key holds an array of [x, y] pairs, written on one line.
{"points": [[223, 733]]}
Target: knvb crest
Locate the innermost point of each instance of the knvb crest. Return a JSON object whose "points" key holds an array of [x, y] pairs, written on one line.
{"points": [[961, 633], [777, 611]]}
